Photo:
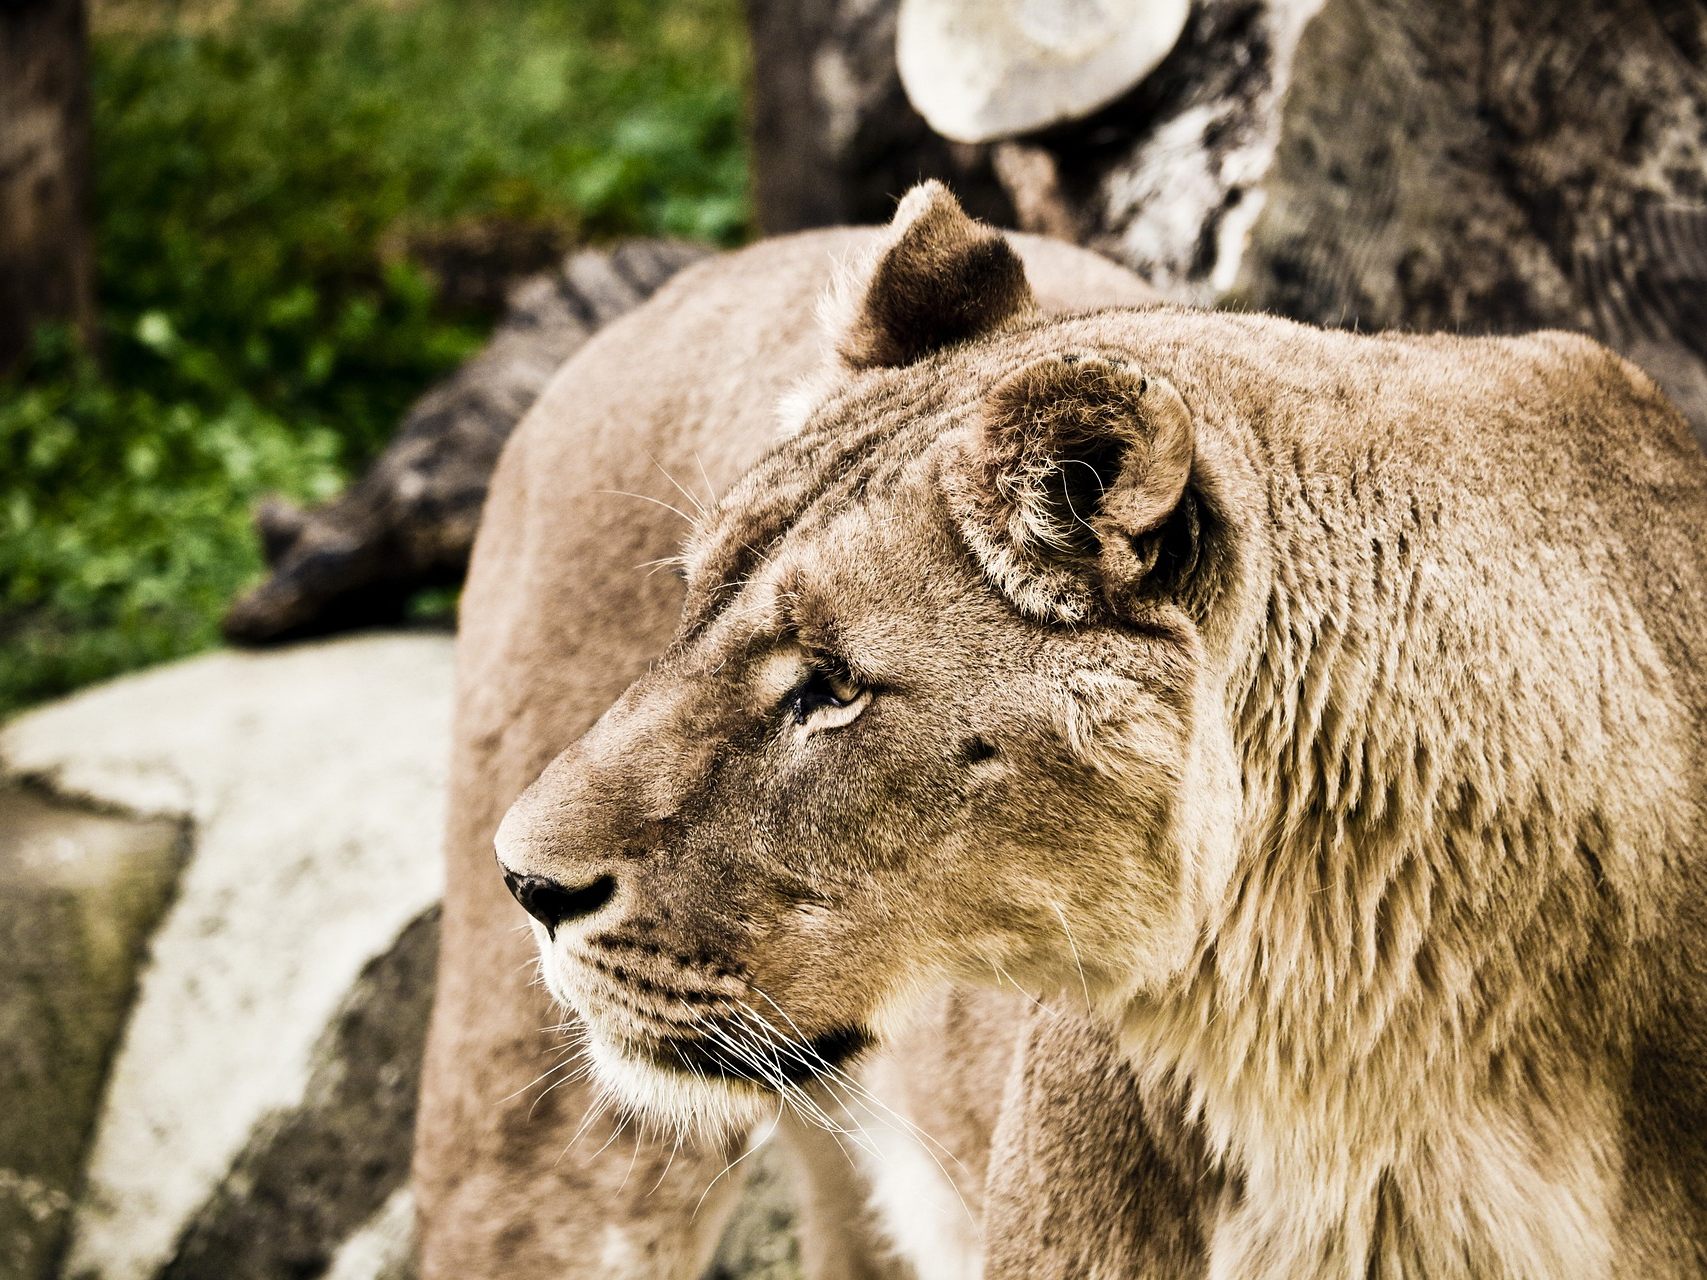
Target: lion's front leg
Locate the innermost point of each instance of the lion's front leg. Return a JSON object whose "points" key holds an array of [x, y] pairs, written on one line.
{"points": [[1083, 1182]]}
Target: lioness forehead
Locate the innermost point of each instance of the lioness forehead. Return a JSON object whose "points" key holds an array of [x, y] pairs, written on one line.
{"points": [[857, 584], [863, 445]]}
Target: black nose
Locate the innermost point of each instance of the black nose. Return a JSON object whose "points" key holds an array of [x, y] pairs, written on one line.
{"points": [[551, 903]]}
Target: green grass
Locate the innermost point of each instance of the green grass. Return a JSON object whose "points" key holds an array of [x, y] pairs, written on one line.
{"points": [[259, 177]]}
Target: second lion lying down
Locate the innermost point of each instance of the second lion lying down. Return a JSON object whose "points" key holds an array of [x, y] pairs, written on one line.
{"points": [[1323, 712]]}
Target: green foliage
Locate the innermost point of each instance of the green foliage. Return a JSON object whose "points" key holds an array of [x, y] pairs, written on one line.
{"points": [[262, 329]]}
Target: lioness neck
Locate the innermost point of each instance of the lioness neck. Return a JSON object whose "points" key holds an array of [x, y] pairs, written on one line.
{"points": [[1408, 1030]]}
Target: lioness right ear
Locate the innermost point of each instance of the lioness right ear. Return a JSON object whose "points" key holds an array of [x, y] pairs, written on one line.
{"points": [[1073, 494], [938, 278]]}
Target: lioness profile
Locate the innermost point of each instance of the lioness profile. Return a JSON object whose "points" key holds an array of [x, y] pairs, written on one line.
{"points": [[1316, 717]]}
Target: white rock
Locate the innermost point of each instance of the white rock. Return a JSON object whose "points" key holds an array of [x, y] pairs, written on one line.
{"points": [[315, 780], [383, 1246], [978, 70]]}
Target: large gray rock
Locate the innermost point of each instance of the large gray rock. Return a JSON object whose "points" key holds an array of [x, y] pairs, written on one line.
{"points": [[311, 782], [1497, 165]]}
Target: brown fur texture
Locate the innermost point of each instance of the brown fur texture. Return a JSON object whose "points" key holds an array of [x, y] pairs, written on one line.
{"points": [[1086, 1183], [1339, 754]]}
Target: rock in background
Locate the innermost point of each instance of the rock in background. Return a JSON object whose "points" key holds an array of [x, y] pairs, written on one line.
{"points": [[219, 888], [834, 140], [1470, 165], [80, 890], [409, 522], [1476, 167], [292, 969]]}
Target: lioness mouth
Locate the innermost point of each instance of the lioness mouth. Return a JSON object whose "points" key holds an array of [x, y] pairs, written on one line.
{"points": [[768, 1063]]}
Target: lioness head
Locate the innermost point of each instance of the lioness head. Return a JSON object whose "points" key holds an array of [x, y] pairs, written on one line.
{"points": [[932, 712]]}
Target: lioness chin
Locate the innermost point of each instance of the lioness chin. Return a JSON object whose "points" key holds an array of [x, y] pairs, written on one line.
{"points": [[1320, 713]]}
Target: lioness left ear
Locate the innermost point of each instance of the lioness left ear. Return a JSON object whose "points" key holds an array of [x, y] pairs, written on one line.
{"points": [[938, 278], [1078, 470], [933, 278]]}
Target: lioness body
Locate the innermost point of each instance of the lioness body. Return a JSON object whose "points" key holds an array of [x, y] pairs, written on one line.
{"points": [[1323, 712]]}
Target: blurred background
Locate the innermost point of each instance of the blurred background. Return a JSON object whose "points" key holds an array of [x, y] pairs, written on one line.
{"points": [[277, 278], [297, 216]]}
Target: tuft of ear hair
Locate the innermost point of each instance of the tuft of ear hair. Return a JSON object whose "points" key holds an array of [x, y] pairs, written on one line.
{"points": [[939, 278], [1079, 467]]}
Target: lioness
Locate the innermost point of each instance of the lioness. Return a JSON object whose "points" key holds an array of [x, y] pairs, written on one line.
{"points": [[1319, 713], [563, 609]]}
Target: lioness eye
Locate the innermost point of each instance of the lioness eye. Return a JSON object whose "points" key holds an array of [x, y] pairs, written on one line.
{"points": [[827, 685]]}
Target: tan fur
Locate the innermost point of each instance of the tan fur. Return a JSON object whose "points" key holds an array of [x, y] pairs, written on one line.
{"points": [[1319, 714], [564, 606]]}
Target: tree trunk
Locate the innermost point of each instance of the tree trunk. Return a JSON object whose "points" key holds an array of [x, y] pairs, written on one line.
{"points": [[46, 246], [1470, 165], [834, 139], [1494, 166]]}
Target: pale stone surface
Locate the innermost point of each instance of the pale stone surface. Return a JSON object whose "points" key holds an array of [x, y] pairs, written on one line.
{"points": [[314, 780], [79, 893], [384, 1247], [313, 1177], [978, 70]]}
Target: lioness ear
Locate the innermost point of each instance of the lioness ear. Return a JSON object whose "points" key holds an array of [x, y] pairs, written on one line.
{"points": [[1074, 483], [938, 278]]}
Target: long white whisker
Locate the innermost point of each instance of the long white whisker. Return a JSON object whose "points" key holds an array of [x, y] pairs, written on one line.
{"points": [[669, 1164], [629, 1172], [771, 1068], [926, 1142], [1083, 983], [1002, 975], [598, 1107], [698, 505], [751, 1147], [829, 1072], [549, 1071], [657, 502], [776, 1076], [858, 1133], [582, 1070], [710, 489], [621, 1124]]}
